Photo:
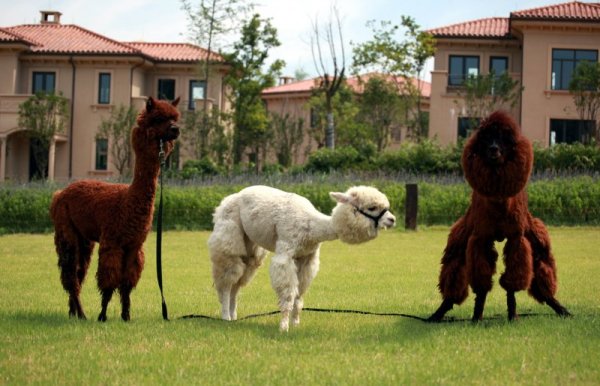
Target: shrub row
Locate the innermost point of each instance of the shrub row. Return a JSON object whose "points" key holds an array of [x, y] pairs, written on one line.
{"points": [[561, 201], [431, 158]]}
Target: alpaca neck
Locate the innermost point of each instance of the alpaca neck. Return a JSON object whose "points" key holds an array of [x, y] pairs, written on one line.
{"points": [[143, 187], [324, 230]]}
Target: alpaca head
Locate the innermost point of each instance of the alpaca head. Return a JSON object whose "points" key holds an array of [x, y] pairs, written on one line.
{"points": [[156, 123], [360, 213], [497, 159]]}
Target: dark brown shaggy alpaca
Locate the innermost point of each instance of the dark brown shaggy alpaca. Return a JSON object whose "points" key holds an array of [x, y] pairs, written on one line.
{"points": [[118, 216], [497, 162]]}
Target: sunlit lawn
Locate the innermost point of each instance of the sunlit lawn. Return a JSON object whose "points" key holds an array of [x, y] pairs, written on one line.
{"points": [[396, 273]]}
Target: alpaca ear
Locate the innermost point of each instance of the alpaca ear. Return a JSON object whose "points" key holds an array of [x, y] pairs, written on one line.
{"points": [[342, 198], [175, 102], [150, 104]]}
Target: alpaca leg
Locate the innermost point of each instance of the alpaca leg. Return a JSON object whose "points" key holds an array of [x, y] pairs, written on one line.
{"points": [[284, 281], [307, 268], [110, 268], [227, 271], [481, 263], [453, 282], [106, 296], [74, 255], [252, 262], [544, 283], [518, 272], [125, 292], [133, 266]]}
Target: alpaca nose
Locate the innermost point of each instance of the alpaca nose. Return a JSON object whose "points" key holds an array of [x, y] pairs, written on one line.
{"points": [[494, 150], [174, 131]]}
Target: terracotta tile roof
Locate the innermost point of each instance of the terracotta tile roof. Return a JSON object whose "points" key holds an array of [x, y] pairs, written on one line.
{"points": [[174, 52], [7, 36], [494, 27], [292, 87], [304, 86], [498, 27], [72, 39], [69, 39], [574, 10]]}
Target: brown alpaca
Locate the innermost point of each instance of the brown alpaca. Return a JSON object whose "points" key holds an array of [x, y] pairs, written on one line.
{"points": [[497, 162], [118, 216]]}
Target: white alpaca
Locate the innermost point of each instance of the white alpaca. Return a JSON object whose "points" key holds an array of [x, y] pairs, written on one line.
{"points": [[261, 218]]}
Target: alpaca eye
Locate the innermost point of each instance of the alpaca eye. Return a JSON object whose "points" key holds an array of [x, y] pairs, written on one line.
{"points": [[372, 209]]}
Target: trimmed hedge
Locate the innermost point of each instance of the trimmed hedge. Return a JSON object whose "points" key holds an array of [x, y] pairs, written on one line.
{"points": [[561, 201]]}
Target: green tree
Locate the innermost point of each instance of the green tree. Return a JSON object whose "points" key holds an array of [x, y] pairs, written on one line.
{"points": [[585, 87], [247, 79], [402, 61], [43, 115], [380, 110], [117, 130], [482, 94], [286, 136], [210, 22]]}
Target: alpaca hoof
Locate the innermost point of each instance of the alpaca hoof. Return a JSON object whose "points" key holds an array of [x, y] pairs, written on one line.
{"points": [[102, 318], [125, 317], [434, 319], [284, 326]]}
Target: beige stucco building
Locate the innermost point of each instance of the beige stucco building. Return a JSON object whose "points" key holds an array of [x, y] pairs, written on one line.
{"points": [[539, 47], [96, 74], [291, 97]]}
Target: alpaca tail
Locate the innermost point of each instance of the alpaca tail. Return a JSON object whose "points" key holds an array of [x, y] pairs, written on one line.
{"points": [[54, 205]]}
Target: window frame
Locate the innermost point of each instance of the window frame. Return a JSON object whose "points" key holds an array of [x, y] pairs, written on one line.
{"points": [[191, 99], [159, 89], [581, 125], [557, 74], [464, 128], [46, 75], [104, 98], [503, 58], [101, 154], [464, 69]]}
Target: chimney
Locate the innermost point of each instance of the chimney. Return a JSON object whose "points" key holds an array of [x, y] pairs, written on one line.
{"points": [[50, 17], [285, 80]]}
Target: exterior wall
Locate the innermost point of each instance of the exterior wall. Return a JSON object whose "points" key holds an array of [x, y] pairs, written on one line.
{"points": [[540, 102], [296, 106], [445, 108], [9, 66]]}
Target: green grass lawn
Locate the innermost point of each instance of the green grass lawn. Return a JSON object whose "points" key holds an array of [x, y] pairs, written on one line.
{"points": [[395, 273]]}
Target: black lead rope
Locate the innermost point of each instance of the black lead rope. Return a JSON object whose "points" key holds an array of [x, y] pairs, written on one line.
{"points": [[161, 156], [345, 311]]}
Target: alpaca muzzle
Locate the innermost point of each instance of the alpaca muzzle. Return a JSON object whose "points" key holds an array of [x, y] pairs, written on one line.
{"points": [[172, 133]]}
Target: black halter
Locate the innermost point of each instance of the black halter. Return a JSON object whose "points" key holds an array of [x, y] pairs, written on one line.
{"points": [[374, 218]]}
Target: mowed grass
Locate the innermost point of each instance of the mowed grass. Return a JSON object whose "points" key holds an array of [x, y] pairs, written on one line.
{"points": [[395, 273]]}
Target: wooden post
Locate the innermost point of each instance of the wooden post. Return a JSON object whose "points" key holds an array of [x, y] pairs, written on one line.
{"points": [[412, 205]]}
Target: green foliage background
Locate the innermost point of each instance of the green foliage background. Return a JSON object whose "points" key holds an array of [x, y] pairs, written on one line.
{"points": [[559, 201]]}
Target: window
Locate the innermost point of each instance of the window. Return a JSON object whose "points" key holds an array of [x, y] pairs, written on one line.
{"points": [[564, 63], [104, 88], [461, 68], [466, 126], [570, 131], [197, 91], [498, 65], [43, 82], [101, 154], [166, 89]]}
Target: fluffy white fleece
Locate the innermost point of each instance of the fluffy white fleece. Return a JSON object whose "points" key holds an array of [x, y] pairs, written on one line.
{"points": [[261, 218]]}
